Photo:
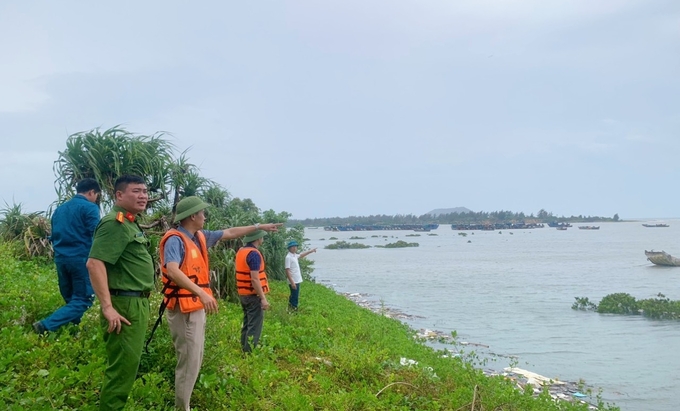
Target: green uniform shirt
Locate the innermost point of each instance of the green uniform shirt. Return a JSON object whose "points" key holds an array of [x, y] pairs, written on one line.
{"points": [[123, 249]]}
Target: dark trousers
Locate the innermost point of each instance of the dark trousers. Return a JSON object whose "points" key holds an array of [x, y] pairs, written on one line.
{"points": [[253, 318], [294, 296], [75, 288]]}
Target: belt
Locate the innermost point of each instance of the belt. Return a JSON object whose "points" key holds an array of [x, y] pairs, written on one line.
{"points": [[124, 293]]}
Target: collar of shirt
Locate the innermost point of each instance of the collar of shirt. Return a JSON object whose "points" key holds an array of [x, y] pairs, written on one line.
{"points": [[188, 234]]}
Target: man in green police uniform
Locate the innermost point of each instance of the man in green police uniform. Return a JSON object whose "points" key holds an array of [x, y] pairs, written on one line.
{"points": [[122, 275]]}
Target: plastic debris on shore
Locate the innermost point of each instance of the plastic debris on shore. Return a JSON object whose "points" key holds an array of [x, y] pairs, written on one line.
{"points": [[559, 390]]}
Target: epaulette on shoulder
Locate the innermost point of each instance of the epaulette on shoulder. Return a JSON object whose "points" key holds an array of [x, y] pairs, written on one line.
{"points": [[120, 217]]}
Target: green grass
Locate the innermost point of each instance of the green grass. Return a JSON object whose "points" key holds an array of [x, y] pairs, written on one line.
{"points": [[331, 355]]}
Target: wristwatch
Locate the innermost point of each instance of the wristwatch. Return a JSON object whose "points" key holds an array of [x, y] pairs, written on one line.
{"points": [[257, 226]]}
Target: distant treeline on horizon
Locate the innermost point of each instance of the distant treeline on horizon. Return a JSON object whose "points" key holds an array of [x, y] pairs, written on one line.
{"points": [[481, 217]]}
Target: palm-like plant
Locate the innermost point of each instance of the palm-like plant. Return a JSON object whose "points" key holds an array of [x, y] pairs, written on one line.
{"points": [[32, 228], [13, 222], [37, 238], [107, 155], [186, 181]]}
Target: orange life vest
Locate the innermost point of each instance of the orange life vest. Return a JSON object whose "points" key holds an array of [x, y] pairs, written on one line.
{"points": [[194, 266], [243, 279]]}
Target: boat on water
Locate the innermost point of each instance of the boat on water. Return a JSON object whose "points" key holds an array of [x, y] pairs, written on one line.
{"points": [[557, 224], [589, 227], [561, 228], [662, 258], [656, 225]]}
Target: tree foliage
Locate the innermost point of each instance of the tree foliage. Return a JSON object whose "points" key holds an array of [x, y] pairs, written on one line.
{"points": [[106, 155], [481, 217]]}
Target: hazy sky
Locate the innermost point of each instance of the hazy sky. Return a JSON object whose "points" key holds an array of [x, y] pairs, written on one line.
{"points": [[337, 108]]}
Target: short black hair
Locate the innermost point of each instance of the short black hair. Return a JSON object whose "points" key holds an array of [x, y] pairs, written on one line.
{"points": [[88, 184], [123, 181]]}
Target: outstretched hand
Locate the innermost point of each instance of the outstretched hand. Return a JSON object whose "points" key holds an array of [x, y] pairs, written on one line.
{"points": [[270, 227]]}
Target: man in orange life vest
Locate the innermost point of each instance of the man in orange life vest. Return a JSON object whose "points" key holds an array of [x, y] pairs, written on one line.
{"points": [[252, 285], [184, 264]]}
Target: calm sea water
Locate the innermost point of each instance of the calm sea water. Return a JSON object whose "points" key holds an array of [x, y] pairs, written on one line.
{"points": [[513, 291]]}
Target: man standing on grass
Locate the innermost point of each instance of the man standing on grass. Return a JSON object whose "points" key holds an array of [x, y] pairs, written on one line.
{"points": [[293, 272], [252, 285], [122, 274], [186, 278], [73, 224]]}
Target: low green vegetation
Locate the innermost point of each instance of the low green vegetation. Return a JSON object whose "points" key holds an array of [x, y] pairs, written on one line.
{"points": [[331, 355], [661, 307], [344, 245], [399, 244]]}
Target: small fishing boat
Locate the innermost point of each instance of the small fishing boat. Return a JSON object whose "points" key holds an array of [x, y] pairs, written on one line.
{"points": [[656, 225], [556, 224], [589, 227], [662, 258], [561, 228]]}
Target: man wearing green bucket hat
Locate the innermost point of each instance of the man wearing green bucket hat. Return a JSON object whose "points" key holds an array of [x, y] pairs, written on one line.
{"points": [[293, 272], [252, 285], [188, 297]]}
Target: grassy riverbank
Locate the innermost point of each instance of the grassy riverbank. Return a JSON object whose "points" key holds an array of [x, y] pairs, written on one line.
{"points": [[332, 355]]}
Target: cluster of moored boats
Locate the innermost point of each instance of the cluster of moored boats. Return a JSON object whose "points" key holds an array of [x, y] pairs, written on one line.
{"points": [[497, 226], [381, 227]]}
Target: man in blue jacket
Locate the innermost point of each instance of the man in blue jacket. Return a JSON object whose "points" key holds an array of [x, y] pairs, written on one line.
{"points": [[73, 225]]}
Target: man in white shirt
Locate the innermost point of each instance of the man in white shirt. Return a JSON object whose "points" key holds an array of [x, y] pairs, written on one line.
{"points": [[293, 273]]}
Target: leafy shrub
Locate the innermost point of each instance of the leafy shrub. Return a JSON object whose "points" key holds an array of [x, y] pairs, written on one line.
{"points": [[583, 304], [660, 308], [401, 244], [619, 303], [344, 245]]}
